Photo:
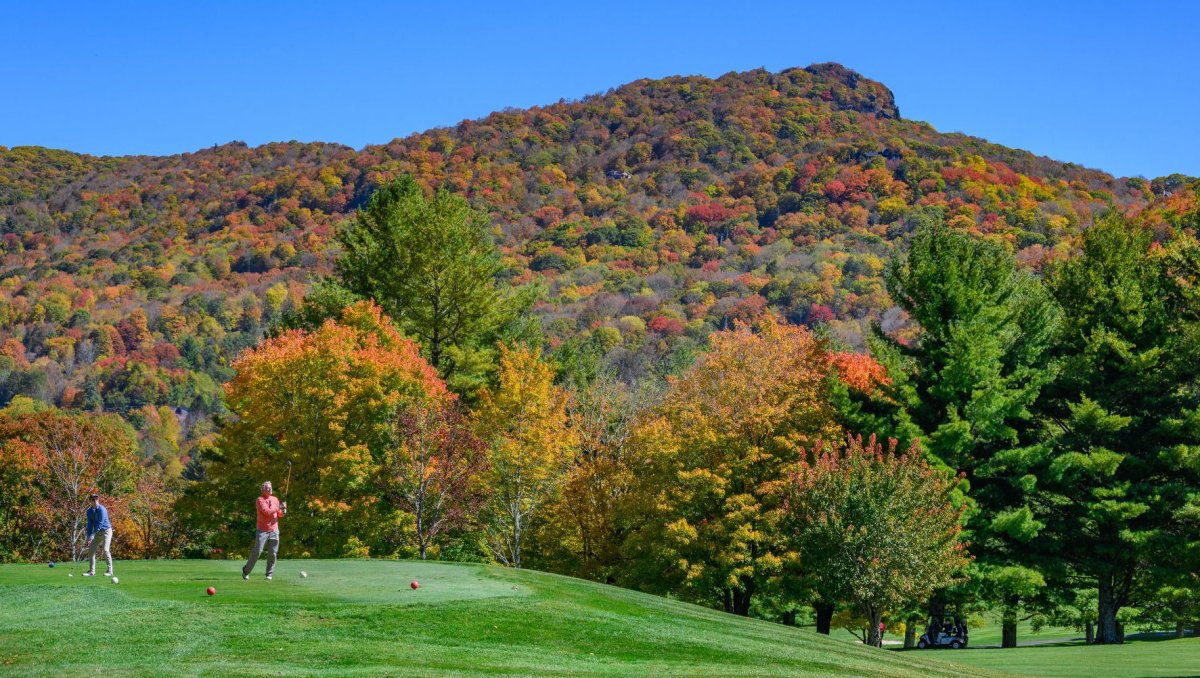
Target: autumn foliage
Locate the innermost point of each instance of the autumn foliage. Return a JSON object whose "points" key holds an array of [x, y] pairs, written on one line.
{"points": [[433, 469], [51, 462], [323, 401], [872, 526], [709, 454], [709, 296], [524, 421]]}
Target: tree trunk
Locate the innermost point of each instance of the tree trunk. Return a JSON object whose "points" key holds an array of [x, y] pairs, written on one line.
{"points": [[874, 637], [1179, 629], [1008, 624], [789, 618], [1009, 633], [937, 610], [1120, 632], [741, 602], [1089, 633], [1106, 609], [910, 634], [824, 612], [727, 600]]}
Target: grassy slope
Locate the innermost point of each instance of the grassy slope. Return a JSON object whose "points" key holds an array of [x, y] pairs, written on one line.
{"points": [[360, 617]]}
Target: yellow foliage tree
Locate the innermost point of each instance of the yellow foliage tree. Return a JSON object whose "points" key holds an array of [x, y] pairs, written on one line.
{"points": [[582, 531], [524, 421]]}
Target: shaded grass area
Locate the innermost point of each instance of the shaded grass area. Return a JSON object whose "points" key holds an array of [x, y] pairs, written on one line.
{"points": [[988, 633], [1134, 658], [1060, 651], [361, 618]]}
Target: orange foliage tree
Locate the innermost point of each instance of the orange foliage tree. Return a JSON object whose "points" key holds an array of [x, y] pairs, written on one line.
{"points": [[320, 401], [704, 515]]}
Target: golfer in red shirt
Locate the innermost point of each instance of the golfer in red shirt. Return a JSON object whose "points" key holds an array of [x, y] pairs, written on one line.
{"points": [[267, 535]]}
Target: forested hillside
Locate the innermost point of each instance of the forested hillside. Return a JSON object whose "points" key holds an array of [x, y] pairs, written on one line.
{"points": [[653, 214]]}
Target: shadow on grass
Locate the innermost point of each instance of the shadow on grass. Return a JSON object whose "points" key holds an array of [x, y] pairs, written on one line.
{"points": [[1156, 636]]}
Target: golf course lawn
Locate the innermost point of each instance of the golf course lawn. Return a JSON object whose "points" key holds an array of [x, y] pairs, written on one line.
{"points": [[355, 617], [1134, 658]]}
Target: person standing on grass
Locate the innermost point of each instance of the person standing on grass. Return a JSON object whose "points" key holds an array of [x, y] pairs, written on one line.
{"points": [[99, 532], [267, 535]]}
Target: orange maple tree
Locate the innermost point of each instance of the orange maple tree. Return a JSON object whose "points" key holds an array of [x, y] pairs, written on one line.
{"points": [[320, 402]]}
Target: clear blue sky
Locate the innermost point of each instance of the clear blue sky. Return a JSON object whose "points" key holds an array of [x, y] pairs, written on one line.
{"points": [[1105, 84]]}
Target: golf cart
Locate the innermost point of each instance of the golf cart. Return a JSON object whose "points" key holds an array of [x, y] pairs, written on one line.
{"points": [[945, 632]]}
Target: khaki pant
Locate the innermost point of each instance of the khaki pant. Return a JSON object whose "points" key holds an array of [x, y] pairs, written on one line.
{"points": [[269, 541], [105, 538]]}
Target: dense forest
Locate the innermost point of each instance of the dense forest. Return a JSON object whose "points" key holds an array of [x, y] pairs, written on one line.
{"points": [[640, 246]]}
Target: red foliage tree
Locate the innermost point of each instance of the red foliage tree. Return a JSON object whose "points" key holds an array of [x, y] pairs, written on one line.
{"points": [[665, 326]]}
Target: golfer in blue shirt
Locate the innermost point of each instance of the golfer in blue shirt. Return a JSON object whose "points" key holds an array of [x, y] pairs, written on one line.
{"points": [[99, 531]]}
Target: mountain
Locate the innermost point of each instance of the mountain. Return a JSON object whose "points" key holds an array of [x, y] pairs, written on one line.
{"points": [[654, 213]]}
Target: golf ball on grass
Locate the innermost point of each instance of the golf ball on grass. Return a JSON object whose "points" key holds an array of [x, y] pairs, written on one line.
{"points": [[212, 591], [415, 585], [70, 575], [303, 573], [116, 581]]}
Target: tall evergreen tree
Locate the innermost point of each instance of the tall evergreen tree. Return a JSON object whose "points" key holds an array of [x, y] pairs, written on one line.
{"points": [[1118, 482], [966, 384], [430, 262]]}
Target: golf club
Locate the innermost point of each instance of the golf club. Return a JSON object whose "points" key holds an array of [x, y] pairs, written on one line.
{"points": [[287, 484]]}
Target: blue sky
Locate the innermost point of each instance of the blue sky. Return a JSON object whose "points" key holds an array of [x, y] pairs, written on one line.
{"points": [[1109, 85]]}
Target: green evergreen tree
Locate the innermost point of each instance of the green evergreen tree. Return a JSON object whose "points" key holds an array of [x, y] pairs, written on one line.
{"points": [[966, 384], [430, 262], [1118, 481]]}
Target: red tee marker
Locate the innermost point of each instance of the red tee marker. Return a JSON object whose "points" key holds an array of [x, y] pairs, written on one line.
{"points": [[212, 591], [414, 585]]}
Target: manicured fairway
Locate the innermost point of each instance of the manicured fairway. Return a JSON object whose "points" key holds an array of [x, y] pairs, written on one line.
{"points": [[361, 618], [1134, 658]]}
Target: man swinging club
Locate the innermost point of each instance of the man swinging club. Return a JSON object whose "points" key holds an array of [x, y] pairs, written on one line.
{"points": [[267, 535], [99, 536]]}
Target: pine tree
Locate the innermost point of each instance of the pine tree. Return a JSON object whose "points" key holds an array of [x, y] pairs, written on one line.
{"points": [[430, 262], [1118, 482], [964, 387]]}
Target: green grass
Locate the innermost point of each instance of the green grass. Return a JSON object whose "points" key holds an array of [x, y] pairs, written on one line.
{"points": [[361, 618], [1134, 658], [991, 633], [1066, 655]]}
